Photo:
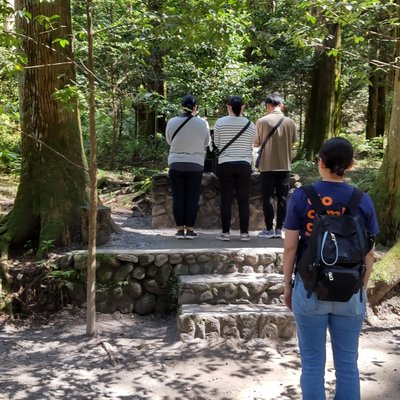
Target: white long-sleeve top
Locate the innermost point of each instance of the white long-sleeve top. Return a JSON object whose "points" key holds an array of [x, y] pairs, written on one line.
{"points": [[190, 142]]}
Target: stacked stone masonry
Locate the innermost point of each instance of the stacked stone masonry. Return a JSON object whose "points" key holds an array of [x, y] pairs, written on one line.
{"points": [[234, 288], [208, 216], [235, 322], [147, 281]]}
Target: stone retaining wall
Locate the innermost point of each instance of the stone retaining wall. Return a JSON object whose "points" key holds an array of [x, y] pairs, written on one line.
{"points": [[260, 322], [147, 281], [239, 288], [208, 216]]}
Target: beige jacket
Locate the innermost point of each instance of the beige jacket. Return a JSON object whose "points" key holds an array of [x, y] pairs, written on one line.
{"points": [[277, 154]]}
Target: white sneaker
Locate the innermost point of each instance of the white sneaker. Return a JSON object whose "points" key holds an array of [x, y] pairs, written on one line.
{"points": [[278, 233], [244, 237], [224, 237], [267, 234]]}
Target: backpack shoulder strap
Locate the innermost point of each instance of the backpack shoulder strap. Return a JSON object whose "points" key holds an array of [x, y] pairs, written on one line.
{"points": [[354, 201], [315, 200]]}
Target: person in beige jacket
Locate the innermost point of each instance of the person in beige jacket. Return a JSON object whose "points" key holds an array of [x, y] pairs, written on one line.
{"points": [[275, 163]]}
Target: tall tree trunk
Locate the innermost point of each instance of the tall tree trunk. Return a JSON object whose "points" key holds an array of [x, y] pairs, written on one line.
{"points": [[320, 119], [381, 107], [386, 189], [8, 16], [52, 188], [386, 195], [380, 79], [116, 126], [376, 110], [372, 105], [149, 122], [337, 100]]}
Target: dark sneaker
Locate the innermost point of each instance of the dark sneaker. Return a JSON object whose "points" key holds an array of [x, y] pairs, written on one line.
{"points": [[191, 234], [267, 234], [278, 233], [180, 234]]}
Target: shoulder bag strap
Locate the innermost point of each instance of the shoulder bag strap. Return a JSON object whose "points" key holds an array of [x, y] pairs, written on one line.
{"points": [[273, 130], [234, 138], [315, 200], [354, 201], [181, 126]]}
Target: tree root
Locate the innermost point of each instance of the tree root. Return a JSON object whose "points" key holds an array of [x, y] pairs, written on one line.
{"points": [[378, 292]]}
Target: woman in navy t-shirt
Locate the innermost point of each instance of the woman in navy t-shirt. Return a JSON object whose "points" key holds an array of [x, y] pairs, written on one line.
{"points": [[314, 317]]}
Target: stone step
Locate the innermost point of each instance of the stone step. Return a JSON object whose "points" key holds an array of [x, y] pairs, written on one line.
{"points": [[234, 288], [239, 321], [194, 261]]}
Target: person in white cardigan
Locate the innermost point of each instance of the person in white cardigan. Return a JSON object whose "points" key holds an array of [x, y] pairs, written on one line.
{"points": [[234, 136], [188, 137]]}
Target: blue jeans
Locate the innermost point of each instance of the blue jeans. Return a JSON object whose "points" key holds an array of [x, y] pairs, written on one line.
{"points": [[344, 331]]}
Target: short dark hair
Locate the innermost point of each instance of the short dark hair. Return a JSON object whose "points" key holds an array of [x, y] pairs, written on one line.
{"points": [[337, 155], [189, 101], [273, 99], [236, 103]]}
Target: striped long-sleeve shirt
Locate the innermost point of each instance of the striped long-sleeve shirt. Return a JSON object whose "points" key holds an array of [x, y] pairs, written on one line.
{"points": [[241, 149]]}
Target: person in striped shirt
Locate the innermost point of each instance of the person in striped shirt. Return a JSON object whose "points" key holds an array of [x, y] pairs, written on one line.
{"points": [[234, 166]]}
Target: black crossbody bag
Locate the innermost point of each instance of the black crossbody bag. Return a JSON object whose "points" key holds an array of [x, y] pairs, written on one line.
{"points": [[274, 129], [219, 152], [181, 126]]}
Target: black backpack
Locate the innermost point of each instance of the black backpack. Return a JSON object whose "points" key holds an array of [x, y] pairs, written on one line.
{"points": [[333, 263]]}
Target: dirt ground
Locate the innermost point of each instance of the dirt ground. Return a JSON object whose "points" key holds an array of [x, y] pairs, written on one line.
{"points": [[136, 358]]}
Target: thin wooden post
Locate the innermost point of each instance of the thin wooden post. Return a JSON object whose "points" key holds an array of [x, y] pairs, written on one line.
{"points": [[91, 267]]}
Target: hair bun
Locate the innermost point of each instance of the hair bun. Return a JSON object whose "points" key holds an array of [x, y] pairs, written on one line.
{"points": [[189, 101]]}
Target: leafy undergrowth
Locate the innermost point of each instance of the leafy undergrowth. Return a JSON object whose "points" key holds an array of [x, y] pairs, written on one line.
{"points": [[127, 189], [362, 174]]}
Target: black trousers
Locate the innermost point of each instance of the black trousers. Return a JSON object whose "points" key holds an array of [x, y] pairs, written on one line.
{"points": [[185, 186], [274, 182], [234, 179]]}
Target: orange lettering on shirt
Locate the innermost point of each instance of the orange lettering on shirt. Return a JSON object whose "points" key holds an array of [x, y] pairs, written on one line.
{"points": [[333, 212], [327, 201]]}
